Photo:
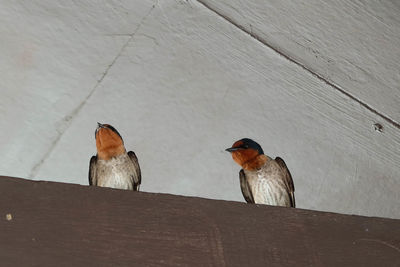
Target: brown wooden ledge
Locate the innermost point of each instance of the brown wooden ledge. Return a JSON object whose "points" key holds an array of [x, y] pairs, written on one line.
{"points": [[57, 224]]}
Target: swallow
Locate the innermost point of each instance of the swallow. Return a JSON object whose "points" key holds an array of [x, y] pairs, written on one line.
{"points": [[113, 166], [263, 180]]}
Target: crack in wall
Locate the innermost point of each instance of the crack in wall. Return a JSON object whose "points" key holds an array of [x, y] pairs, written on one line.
{"points": [[68, 119], [298, 63]]}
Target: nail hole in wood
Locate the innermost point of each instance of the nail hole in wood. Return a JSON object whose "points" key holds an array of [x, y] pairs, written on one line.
{"points": [[378, 127]]}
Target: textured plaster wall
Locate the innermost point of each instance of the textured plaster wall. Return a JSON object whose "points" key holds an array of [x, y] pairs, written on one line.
{"points": [[181, 83]]}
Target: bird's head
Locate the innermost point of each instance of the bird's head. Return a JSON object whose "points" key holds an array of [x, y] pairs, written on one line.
{"points": [[109, 142], [248, 154]]}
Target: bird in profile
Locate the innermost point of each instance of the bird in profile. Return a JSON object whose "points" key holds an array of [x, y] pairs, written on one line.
{"points": [[263, 180], [113, 166]]}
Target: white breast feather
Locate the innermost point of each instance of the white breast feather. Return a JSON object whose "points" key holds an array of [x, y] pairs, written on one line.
{"points": [[269, 191]]}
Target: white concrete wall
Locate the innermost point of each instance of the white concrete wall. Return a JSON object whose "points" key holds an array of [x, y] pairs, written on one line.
{"points": [[181, 83]]}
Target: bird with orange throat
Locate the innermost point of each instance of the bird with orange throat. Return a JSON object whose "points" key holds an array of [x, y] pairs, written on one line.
{"points": [[263, 180], [113, 166]]}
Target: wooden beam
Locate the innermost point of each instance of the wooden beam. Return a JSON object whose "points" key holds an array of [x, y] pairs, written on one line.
{"points": [[56, 224]]}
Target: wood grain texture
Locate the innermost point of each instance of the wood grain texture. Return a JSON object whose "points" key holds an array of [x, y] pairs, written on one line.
{"points": [[56, 224], [354, 45]]}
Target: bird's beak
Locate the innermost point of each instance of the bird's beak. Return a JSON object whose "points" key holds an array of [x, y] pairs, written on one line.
{"points": [[99, 125], [231, 149]]}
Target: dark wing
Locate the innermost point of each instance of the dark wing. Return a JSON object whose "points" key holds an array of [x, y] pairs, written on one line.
{"points": [[288, 180], [137, 176], [92, 171], [244, 185]]}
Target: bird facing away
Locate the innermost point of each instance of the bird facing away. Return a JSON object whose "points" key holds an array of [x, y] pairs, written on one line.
{"points": [[263, 180], [113, 166]]}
